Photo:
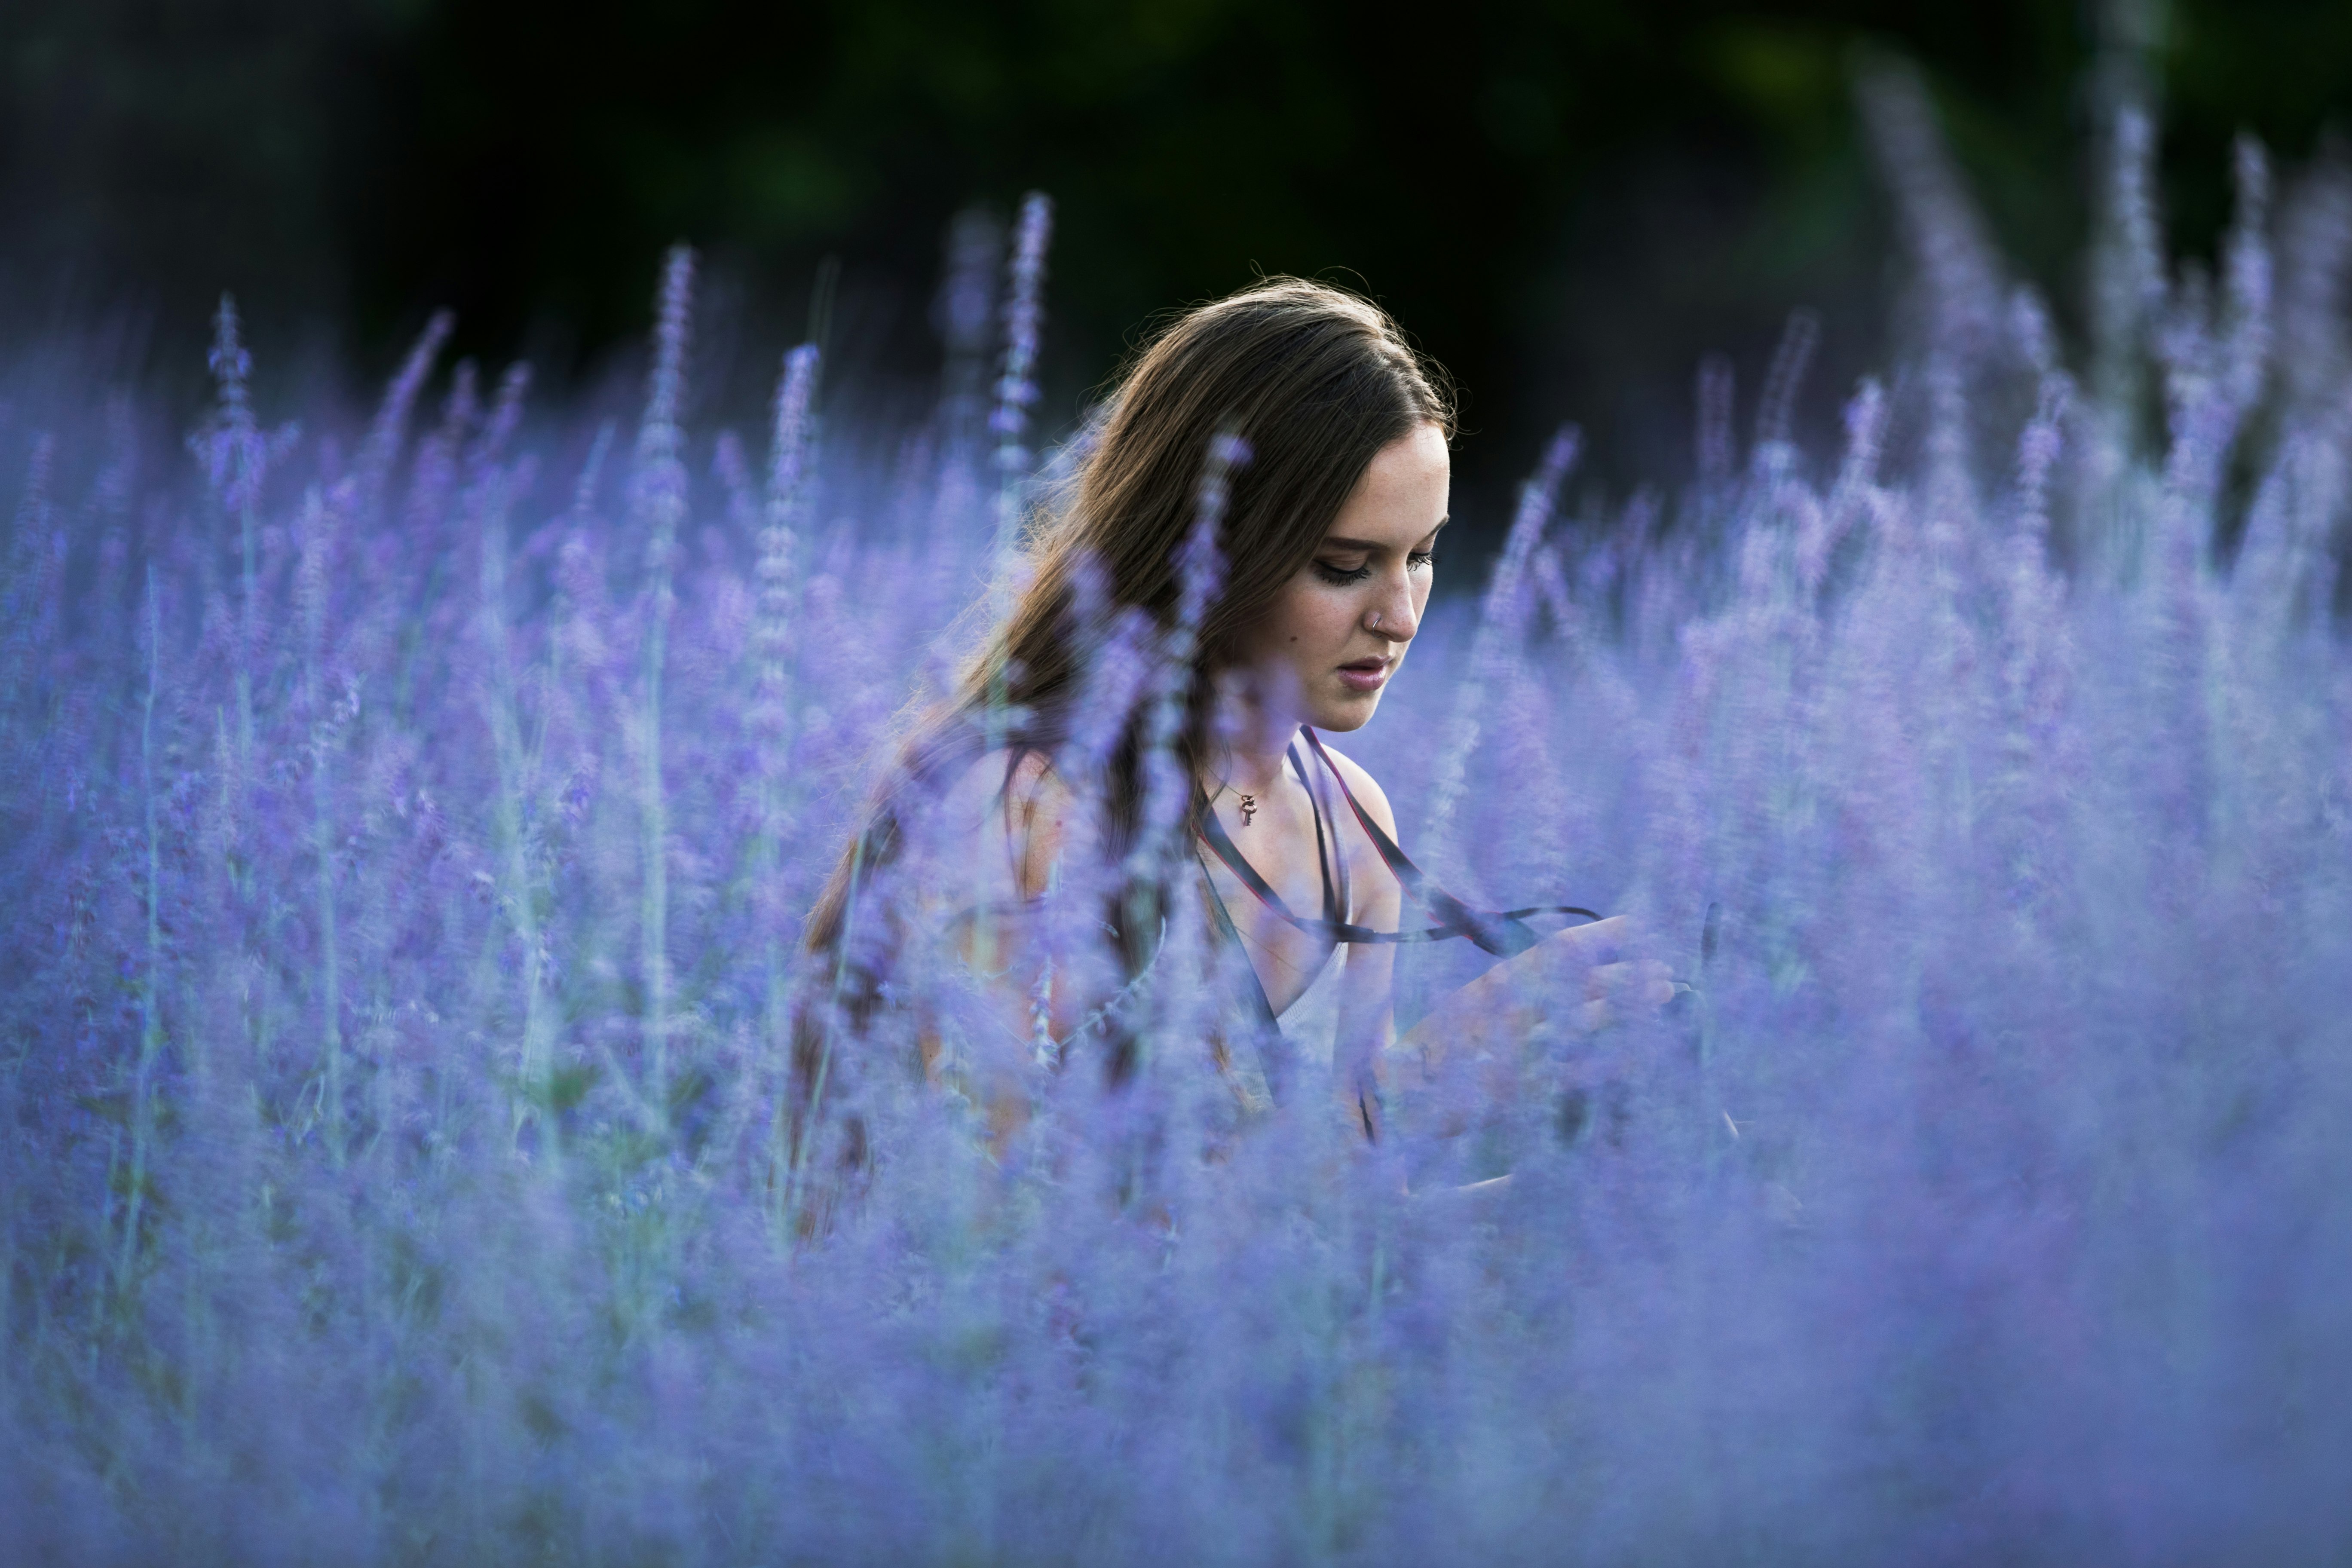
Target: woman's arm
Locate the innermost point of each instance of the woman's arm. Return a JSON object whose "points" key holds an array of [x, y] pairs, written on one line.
{"points": [[1367, 1027], [1011, 826], [1501, 1007]]}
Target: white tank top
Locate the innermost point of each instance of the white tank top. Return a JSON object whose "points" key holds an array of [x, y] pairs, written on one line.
{"points": [[1311, 1022]]}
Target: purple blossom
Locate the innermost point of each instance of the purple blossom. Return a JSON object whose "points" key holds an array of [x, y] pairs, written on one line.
{"points": [[1016, 387], [402, 952]]}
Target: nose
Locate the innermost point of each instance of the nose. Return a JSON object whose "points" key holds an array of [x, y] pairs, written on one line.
{"points": [[1393, 615]]}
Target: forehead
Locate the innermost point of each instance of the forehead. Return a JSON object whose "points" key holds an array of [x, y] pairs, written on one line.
{"points": [[1403, 493]]}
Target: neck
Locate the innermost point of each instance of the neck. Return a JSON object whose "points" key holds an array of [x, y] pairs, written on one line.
{"points": [[1255, 737], [1252, 771]]}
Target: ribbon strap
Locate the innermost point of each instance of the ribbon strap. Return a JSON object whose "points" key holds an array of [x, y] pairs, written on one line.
{"points": [[1501, 933]]}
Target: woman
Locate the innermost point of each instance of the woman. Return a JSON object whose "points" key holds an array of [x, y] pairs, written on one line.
{"points": [[1136, 749]]}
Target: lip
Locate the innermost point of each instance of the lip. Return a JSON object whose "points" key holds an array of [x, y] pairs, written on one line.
{"points": [[1367, 674]]}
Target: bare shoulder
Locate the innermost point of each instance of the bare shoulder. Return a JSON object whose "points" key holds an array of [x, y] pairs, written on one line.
{"points": [[1033, 792], [1364, 787], [1032, 777], [1016, 804], [996, 784]]}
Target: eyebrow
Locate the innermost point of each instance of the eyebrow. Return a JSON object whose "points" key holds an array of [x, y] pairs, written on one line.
{"points": [[1335, 541]]}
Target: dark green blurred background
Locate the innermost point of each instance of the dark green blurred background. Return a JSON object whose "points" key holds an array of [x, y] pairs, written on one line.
{"points": [[1566, 201]]}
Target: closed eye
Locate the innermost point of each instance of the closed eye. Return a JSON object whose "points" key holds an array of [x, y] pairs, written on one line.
{"points": [[1420, 559], [1341, 576]]}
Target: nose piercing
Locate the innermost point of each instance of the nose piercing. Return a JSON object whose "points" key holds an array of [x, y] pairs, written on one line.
{"points": [[1374, 623]]}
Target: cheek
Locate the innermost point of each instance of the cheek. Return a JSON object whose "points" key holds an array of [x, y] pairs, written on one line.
{"points": [[1307, 617]]}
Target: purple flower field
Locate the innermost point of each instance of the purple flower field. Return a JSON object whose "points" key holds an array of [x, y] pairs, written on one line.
{"points": [[407, 824]]}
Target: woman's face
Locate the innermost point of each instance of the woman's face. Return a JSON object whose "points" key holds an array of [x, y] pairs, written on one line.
{"points": [[1334, 636]]}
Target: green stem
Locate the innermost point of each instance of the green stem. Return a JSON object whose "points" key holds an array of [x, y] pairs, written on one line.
{"points": [[521, 895], [657, 832], [150, 1017], [330, 956]]}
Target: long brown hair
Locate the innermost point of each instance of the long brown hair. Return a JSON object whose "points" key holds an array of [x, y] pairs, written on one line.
{"points": [[1315, 380]]}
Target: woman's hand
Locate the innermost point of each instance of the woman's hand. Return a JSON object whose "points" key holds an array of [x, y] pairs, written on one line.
{"points": [[1615, 991], [1615, 988], [1523, 993]]}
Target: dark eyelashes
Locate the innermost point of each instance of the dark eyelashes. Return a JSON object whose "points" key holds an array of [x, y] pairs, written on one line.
{"points": [[1344, 576]]}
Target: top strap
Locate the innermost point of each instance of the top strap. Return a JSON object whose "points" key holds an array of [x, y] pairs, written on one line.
{"points": [[1501, 933]]}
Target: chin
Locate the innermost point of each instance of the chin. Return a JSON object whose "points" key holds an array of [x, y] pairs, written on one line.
{"points": [[1341, 715]]}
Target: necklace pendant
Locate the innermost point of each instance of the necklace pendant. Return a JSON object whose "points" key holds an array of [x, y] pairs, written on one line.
{"points": [[1249, 808]]}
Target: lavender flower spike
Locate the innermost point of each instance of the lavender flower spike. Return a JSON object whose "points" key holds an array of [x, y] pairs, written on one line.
{"points": [[660, 501], [1016, 389], [787, 467], [1502, 616]]}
